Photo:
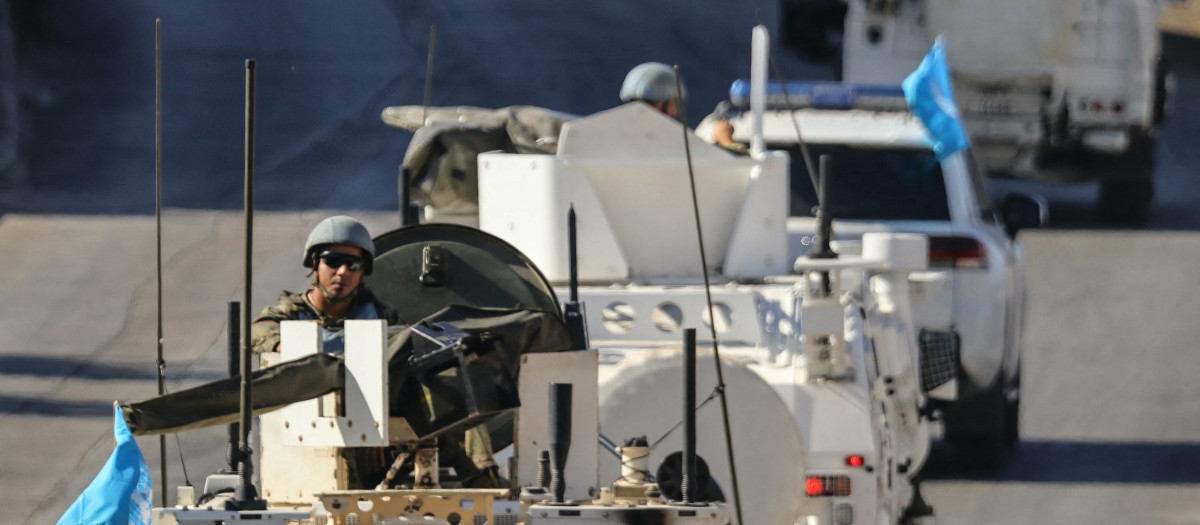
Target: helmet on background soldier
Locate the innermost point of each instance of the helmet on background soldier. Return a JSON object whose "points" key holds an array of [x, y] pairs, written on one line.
{"points": [[652, 82], [339, 229]]}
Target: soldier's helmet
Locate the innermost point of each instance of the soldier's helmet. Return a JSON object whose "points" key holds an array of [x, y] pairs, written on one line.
{"points": [[340, 229], [652, 82]]}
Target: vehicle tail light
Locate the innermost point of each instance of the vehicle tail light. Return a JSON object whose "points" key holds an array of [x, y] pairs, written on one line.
{"points": [[957, 252], [814, 487], [1097, 105], [855, 460], [827, 485]]}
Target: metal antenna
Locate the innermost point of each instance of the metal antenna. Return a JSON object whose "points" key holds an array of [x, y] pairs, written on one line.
{"points": [[822, 248], [233, 342], [559, 410], [573, 311], [687, 482], [245, 495], [429, 72], [160, 363], [712, 319], [409, 214]]}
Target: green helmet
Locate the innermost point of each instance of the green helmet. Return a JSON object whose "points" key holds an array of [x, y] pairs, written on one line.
{"points": [[652, 82], [340, 229]]}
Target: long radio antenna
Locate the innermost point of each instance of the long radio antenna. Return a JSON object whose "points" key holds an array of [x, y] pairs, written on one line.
{"points": [[245, 495], [409, 214], [160, 363], [429, 73], [712, 320]]}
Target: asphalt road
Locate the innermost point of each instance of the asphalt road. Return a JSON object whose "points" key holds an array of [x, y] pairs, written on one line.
{"points": [[1111, 429]]}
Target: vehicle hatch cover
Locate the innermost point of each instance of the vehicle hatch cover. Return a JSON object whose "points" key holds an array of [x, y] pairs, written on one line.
{"points": [[424, 268]]}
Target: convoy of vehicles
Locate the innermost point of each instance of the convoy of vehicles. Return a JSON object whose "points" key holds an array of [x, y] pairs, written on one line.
{"points": [[654, 235], [815, 355], [1060, 91], [836, 316]]}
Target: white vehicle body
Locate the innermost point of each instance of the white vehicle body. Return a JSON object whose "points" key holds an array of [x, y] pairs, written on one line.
{"points": [[1062, 90], [973, 293], [819, 357], [794, 415]]}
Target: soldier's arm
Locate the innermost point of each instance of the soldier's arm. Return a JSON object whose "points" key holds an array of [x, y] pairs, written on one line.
{"points": [[264, 331]]}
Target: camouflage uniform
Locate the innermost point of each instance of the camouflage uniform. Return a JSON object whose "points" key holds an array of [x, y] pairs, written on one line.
{"points": [[292, 306]]}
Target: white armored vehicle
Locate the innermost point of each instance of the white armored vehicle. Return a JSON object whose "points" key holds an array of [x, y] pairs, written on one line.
{"points": [[819, 355], [969, 309], [1060, 90]]}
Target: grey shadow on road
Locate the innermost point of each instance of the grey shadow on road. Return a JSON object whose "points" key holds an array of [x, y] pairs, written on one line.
{"points": [[82, 368], [33, 405], [1093, 462]]}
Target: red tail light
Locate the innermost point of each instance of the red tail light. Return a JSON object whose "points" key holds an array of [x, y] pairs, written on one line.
{"points": [[957, 252], [855, 460], [814, 487], [827, 485]]}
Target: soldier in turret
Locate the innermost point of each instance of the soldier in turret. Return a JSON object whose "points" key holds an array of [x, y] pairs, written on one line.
{"points": [[655, 84], [340, 252]]}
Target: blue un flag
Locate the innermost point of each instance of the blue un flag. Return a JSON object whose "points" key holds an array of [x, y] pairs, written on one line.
{"points": [[930, 96], [121, 494]]}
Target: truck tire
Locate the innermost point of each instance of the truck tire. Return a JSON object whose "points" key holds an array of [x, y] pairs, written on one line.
{"points": [[977, 431], [1012, 423], [1162, 75], [1127, 184], [1126, 201]]}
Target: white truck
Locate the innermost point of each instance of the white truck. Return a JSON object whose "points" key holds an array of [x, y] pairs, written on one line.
{"points": [[1053, 91]]}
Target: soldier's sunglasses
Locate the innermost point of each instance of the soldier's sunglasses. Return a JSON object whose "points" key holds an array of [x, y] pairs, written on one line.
{"points": [[337, 260]]}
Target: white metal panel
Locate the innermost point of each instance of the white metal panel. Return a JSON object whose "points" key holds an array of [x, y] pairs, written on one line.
{"points": [[758, 246], [656, 313], [364, 397], [293, 475], [636, 162], [184, 516], [524, 200], [1009, 34], [897, 251], [537, 372], [626, 172]]}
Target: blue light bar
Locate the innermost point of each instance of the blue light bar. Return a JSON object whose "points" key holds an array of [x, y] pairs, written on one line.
{"points": [[822, 95]]}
